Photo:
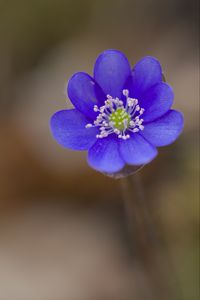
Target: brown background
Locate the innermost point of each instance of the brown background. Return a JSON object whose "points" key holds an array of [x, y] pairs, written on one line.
{"points": [[62, 226]]}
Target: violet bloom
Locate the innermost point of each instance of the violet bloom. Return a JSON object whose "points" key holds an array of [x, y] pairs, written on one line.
{"points": [[120, 115]]}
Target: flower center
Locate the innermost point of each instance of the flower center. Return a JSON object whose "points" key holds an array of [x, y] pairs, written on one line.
{"points": [[118, 117]]}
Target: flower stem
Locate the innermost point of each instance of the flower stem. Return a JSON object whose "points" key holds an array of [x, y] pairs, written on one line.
{"points": [[147, 246]]}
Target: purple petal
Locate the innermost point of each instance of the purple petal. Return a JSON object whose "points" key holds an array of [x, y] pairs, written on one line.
{"points": [[68, 128], [164, 130], [136, 150], [104, 155], [111, 72], [84, 93], [156, 101], [146, 73]]}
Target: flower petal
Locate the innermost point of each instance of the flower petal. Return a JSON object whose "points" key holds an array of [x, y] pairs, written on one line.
{"points": [[68, 128], [164, 130], [84, 93], [104, 155], [146, 73], [136, 150], [156, 101], [111, 72]]}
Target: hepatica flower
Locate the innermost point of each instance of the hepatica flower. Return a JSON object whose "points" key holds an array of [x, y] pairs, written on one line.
{"points": [[121, 115]]}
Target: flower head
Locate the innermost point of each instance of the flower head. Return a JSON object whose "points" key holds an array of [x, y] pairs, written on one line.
{"points": [[121, 115]]}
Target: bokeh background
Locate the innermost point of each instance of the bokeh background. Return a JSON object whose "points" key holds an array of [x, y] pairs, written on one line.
{"points": [[63, 231]]}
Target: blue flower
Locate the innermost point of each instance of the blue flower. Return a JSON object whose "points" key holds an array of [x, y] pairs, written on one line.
{"points": [[121, 115]]}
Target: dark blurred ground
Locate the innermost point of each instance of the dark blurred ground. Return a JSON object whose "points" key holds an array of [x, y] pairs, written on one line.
{"points": [[62, 227]]}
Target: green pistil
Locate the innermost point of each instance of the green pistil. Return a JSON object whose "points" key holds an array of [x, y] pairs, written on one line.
{"points": [[118, 117]]}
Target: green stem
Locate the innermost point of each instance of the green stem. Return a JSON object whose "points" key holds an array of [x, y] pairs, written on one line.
{"points": [[147, 246]]}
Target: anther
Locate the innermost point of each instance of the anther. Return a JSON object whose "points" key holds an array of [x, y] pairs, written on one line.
{"points": [[88, 125]]}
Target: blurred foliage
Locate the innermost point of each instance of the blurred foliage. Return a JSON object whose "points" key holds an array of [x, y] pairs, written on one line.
{"points": [[29, 28]]}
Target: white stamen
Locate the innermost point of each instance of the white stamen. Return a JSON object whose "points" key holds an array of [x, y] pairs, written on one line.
{"points": [[88, 125], [125, 93], [116, 118]]}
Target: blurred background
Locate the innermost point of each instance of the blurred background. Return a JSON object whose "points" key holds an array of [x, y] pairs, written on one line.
{"points": [[63, 231]]}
